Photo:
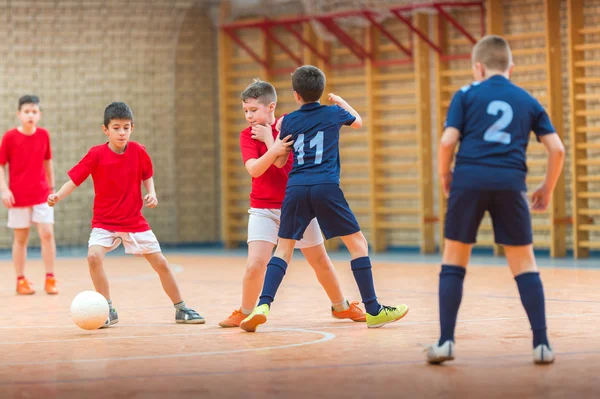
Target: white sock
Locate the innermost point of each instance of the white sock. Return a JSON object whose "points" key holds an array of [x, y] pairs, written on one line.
{"points": [[341, 306], [246, 311]]}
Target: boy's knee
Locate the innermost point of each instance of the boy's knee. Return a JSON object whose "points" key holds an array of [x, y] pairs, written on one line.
{"points": [[22, 237], [255, 267], [94, 259], [46, 234]]}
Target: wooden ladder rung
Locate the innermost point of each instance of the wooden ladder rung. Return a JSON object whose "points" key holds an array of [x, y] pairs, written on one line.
{"points": [[588, 96], [398, 196], [586, 80], [390, 77], [589, 212], [589, 244], [397, 180], [587, 194], [393, 92], [397, 137], [353, 138], [589, 227], [355, 180], [589, 146], [394, 107], [528, 51], [336, 80], [532, 68], [397, 166], [587, 63], [588, 162], [587, 46], [385, 225], [457, 73], [588, 129], [395, 122], [524, 36], [396, 211], [588, 112], [398, 150], [588, 31], [588, 178]]}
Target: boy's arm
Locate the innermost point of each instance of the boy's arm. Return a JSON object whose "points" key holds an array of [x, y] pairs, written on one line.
{"points": [[150, 198], [49, 167], [556, 158], [448, 143], [257, 166], [63, 193], [342, 103], [8, 199]]}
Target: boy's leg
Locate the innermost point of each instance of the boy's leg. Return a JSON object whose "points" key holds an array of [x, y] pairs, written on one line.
{"points": [[326, 274], [259, 253], [274, 276], [463, 217], [96, 254], [19, 255], [48, 243], [521, 261], [183, 314]]}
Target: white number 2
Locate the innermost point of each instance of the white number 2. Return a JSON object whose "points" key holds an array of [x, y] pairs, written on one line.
{"points": [[317, 141], [496, 133]]}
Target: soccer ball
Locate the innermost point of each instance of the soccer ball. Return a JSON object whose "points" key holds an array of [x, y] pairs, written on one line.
{"points": [[89, 310]]}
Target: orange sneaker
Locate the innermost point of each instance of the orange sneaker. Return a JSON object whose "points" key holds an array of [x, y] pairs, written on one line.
{"points": [[50, 286], [234, 320], [354, 313], [25, 287]]}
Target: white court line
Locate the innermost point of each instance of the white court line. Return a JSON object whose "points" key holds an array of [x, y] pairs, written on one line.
{"points": [[326, 337], [353, 325]]}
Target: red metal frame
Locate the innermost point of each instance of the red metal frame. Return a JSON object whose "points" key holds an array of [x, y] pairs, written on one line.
{"points": [[329, 22]]}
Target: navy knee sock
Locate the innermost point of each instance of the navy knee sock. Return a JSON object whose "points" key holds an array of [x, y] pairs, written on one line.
{"points": [[532, 298], [361, 268], [275, 272], [450, 296]]}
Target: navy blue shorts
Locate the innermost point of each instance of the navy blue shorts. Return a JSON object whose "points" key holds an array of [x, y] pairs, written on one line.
{"points": [[509, 211], [326, 202]]}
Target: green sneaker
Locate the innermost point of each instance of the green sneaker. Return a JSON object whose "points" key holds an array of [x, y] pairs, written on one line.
{"points": [[256, 318], [387, 314]]}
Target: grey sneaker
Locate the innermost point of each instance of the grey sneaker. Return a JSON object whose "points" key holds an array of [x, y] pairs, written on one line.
{"points": [[113, 318], [543, 354], [437, 354], [188, 316]]}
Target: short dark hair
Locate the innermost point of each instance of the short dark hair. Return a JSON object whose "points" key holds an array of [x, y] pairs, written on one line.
{"points": [[117, 110], [494, 52], [29, 99], [260, 90], [309, 82]]}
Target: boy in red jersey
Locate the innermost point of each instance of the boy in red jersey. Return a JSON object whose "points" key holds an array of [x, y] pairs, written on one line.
{"points": [[118, 169], [31, 178], [269, 179]]}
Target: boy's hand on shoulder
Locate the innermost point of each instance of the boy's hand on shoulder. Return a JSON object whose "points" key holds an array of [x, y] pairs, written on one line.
{"points": [[262, 133], [282, 147], [151, 200], [540, 199], [8, 199], [53, 199]]}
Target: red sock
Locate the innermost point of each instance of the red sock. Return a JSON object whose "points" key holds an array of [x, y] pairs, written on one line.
{"points": [[20, 278], [49, 275]]}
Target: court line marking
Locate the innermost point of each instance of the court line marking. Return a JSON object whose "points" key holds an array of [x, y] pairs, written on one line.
{"points": [[353, 325], [485, 359], [326, 336]]}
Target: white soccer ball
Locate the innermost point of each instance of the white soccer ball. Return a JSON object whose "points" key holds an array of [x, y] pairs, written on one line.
{"points": [[89, 310]]}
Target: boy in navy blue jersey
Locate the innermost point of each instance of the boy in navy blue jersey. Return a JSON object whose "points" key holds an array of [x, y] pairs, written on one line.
{"points": [[313, 191], [492, 118]]}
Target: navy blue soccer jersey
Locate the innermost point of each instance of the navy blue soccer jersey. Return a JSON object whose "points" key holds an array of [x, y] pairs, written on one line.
{"points": [[495, 118], [315, 130]]}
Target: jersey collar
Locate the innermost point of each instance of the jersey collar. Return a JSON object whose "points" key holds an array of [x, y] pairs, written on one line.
{"points": [[310, 106]]}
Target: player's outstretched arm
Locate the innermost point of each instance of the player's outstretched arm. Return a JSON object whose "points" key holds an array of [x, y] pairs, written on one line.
{"points": [[150, 198], [556, 159], [256, 167], [446, 155], [8, 199], [63, 193], [342, 103]]}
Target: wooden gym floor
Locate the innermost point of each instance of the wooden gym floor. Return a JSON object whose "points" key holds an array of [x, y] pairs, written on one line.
{"points": [[301, 351]]}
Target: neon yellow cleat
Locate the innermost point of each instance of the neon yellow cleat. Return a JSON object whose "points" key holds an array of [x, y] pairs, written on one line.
{"points": [[387, 314], [256, 318]]}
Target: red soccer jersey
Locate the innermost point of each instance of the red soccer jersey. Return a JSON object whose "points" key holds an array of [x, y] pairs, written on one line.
{"points": [[25, 156], [117, 184], [268, 190]]}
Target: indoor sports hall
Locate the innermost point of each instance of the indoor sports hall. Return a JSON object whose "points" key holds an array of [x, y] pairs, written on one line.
{"points": [[181, 66]]}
